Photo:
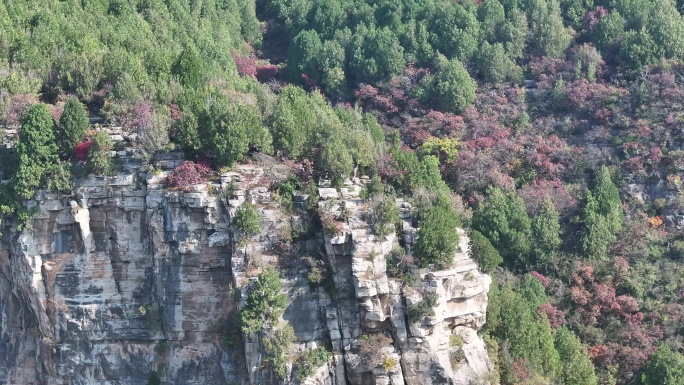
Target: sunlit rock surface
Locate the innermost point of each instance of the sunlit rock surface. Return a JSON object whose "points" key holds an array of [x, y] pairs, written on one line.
{"points": [[127, 281]]}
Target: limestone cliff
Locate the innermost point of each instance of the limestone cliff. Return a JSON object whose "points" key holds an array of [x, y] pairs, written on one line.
{"points": [[126, 282]]}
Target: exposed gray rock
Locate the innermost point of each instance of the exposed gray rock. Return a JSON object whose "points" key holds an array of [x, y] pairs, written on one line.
{"points": [[125, 279]]}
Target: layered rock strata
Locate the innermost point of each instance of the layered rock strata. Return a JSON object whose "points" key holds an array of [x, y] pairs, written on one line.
{"points": [[126, 282]]}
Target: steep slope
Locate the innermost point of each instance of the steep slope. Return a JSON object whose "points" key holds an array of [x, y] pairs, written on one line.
{"points": [[128, 283]]}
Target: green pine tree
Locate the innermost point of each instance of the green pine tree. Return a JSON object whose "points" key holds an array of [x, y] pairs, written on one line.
{"points": [[451, 88], [504, 221], [549, 35], [486, 256], [36, 149], [73, 125], [608, 200], [545, 233], [597, 232], [294, 121], [532, 291], [577, 368], [664, 367], [528, 335], [189, 67], [437, 237], [98, 161]]}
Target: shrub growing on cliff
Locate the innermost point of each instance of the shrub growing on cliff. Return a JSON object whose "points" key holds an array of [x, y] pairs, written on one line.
{"points": [[317, 270], [247, 220], [383, 215], [99, 162], [437, 237], [73, 125], [154, 379], [330, 224], [399, 264], [277, 349], [371, 348], [424, 308], [187, 174], [265, 303], [310, 360]]}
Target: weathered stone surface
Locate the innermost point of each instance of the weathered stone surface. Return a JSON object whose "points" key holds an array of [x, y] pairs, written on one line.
{"points": [[328, 193], [423, 348], [125, 279]]}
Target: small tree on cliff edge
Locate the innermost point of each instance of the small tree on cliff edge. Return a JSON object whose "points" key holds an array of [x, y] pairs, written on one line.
{"points": [[73, 125], [437, 237], [98, 155], [247, 220]]}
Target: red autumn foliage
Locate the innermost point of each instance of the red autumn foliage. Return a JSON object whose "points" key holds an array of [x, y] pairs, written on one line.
{"points": [[389, 168], [56, 112], [246, 66], [176, 113], [584, 95], [597, 304], [18, 107], [547, 70], [99, 96], [601, 354], [534, 194], [522, 370], [592, 17], [139, 116], [82, 149], [556, 317], [266, 72], [187, 174], [309, 81], [304, 169], [621, 267], [541, 278]]}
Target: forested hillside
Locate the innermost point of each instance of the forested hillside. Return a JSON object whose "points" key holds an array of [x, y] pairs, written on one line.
{"points": [[553, 130]]}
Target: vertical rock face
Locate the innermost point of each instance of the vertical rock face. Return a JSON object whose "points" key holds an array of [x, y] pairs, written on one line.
{"points": [[440, 348], [127, 283]]}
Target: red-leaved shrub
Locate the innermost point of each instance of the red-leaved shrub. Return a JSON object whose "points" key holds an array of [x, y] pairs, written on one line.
{"points": [[82, 149], [542, 279], [187, 174]]}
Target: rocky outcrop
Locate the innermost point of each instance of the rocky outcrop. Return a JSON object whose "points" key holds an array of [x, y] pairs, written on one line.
{"points": [[126, 282], [441, 348]]}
